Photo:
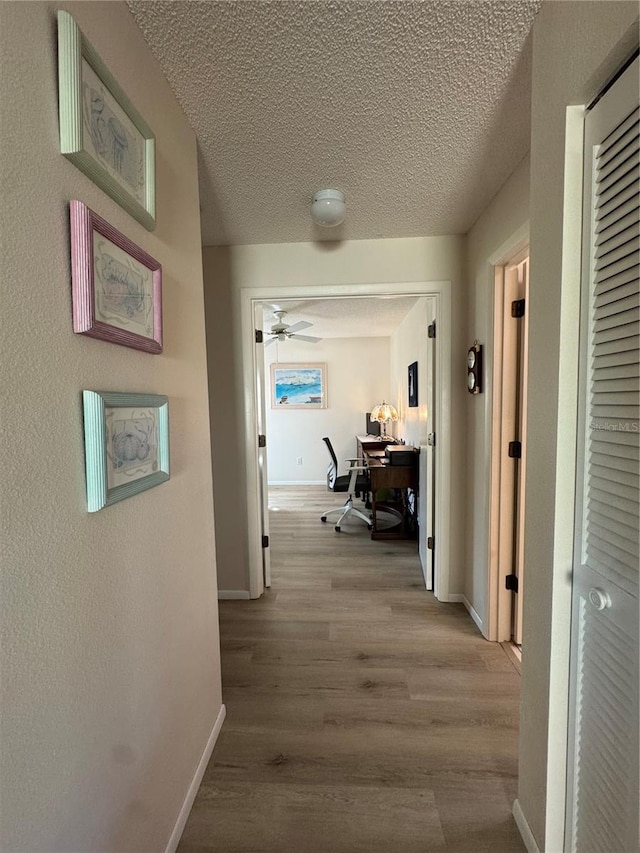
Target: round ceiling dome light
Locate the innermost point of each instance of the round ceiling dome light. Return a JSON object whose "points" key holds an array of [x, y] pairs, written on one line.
{"points": [[328, 207]]}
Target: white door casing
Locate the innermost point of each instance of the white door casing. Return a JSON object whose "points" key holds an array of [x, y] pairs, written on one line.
{"points": [[441, 293], [500, 483]]}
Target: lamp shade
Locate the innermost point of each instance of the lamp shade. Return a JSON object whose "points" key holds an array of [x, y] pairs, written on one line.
{"points": [[383, 413], [328, 207]]}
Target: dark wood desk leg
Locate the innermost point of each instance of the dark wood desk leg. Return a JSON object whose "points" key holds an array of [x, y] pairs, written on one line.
{"points": [[374, 525]]}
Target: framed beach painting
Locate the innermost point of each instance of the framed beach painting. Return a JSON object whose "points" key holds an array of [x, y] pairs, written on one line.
{"points": [[101, 132], [298, 386], [117, 286], [126, 439]]}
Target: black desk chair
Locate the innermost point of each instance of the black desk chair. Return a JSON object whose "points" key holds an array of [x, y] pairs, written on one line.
{"points": [[354, 483]]}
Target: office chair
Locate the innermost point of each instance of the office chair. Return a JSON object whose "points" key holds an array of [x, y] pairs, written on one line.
{"points": [[354, 483]]}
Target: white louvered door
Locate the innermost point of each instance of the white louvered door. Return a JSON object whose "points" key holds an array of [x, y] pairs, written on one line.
{"points": [[602, 805]]}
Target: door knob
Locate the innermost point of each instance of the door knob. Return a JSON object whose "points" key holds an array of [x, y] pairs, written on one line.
{"points": [[599, 598]]}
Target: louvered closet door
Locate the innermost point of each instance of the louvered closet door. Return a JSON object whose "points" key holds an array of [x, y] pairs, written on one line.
{"points": [[602, 813]]}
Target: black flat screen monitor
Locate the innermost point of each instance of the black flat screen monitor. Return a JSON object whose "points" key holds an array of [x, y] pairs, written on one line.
{"points": [[373, 427]]}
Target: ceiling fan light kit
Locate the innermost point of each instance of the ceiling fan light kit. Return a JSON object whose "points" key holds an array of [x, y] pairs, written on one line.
{"points": [[328, 208]]}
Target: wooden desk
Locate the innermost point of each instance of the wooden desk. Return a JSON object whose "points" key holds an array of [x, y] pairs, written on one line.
{"points": [[399, 479], [368, 443]]}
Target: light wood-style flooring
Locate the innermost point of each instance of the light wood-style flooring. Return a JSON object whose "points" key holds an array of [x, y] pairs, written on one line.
{"points": [[362, 714]]}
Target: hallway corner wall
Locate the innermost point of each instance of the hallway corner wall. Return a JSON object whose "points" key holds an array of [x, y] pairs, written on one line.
{"points": [[226, 421], [110, 649]]}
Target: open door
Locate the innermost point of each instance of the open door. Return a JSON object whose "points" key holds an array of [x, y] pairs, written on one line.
{"points": [[263, 480], [426, 500], [509, 443]]}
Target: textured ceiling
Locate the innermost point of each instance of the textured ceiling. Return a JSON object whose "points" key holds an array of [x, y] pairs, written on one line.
{"points": [[418, 111], [344, 317]]}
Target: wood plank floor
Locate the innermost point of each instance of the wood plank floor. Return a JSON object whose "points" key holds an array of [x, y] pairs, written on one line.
{"points": [[362, 714]]}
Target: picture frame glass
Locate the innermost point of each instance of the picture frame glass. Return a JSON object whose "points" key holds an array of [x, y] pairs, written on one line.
{"points": [[412, 385], [110, 137], [298, 386], [131, 443], [123, 288]]}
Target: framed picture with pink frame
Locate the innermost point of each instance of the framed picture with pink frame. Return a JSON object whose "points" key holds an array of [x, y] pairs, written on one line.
{"points": [[117, 286]]}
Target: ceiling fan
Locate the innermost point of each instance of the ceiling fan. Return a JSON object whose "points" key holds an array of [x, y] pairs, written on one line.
{"points": [[280, 331]]}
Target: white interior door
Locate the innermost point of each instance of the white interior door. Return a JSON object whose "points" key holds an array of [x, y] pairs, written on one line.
{"points": [[261, 416], [426, 498], [429, 450], [602, 806]]}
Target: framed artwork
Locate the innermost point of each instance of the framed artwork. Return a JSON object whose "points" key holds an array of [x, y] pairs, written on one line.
{"points": [[298, 386], [117, 287], [126, 441], [413, 385], [101, 132]]}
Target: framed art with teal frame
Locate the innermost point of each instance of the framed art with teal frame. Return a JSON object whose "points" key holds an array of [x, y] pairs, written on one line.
{"points": [[101, 132], [126, 440]]}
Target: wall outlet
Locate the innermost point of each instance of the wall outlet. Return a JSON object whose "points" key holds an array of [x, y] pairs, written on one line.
{"points": [[299, 460]]}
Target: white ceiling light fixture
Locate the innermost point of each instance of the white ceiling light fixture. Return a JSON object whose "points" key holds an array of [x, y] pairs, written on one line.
{"points": [[328, 207]]}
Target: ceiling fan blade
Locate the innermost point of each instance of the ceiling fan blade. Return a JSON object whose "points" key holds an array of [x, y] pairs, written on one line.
{"points": [[270, 341], [299, 326], [306, 338]]}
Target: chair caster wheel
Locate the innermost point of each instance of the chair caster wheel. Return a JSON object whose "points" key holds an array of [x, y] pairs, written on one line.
{"points": [[322, 518], [370, 526], [337, 529]]}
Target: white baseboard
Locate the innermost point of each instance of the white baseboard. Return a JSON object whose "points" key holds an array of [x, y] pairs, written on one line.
{"points": [[523, 826], [178, 829], [474, 614], [297, 482], [233, 594]]}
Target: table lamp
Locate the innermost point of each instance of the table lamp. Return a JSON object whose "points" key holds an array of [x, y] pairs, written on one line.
{"points": [[383, 413]]}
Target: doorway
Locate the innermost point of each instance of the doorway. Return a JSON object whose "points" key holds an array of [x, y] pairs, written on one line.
{"points": [[509, 417], [250, 297]]}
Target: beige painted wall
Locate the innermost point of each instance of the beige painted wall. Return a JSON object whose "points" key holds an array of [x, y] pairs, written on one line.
{"points": [[110, 659], [228, 270], [507, 214], [225, 406], [409, 344], [577, 47], [357, 379]]}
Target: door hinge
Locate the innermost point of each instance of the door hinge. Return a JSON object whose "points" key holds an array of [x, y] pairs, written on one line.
{"points": [[265, 541], [515, 450], [431, 439], [517, 308], [431, 543], [262, 441], [259, 336], [431, 330], [511, 582]]}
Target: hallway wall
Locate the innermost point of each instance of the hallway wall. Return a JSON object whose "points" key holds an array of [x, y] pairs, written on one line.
{"points": [[507, 214], [228, 269], [577, 47], [110, 658]]}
